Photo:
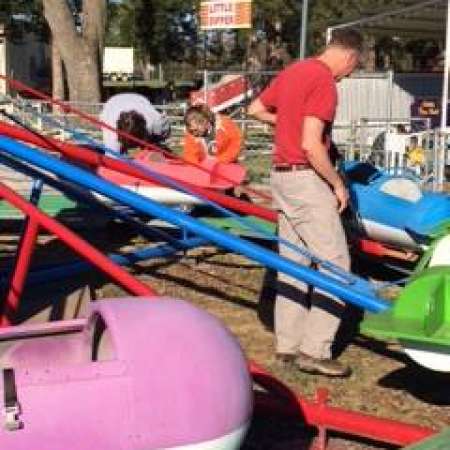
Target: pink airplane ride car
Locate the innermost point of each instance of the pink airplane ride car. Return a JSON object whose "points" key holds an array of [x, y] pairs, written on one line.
{"points": [[208, 174], [138, 374]]}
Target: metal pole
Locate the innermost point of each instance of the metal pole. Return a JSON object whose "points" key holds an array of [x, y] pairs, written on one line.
{"points": [[205, 86], [279, 400], [444, 104], [329, 34], [390, 94], [19, 275], [304, 30], [205, 65]]}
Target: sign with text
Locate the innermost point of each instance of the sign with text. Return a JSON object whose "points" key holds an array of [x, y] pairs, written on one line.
{"points": [[225, 14]]}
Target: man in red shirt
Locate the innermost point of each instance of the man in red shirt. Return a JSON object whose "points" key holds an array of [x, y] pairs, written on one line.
{"points": [[309, 195]]}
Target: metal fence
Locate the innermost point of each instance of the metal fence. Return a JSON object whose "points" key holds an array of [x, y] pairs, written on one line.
{"points": [[53, 120], [366, 138]]}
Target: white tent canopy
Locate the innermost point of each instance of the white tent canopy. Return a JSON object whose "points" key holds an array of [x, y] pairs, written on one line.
{"points": [[419, 19]]}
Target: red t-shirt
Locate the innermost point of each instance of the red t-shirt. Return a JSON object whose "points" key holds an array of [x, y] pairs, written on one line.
{"points": [[304, 88]]}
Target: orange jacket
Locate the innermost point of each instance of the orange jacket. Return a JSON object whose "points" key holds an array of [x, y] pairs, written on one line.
{"points": [[228, 142]]}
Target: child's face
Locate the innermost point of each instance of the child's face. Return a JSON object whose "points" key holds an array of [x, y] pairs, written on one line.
{"points": [[198, 127]]}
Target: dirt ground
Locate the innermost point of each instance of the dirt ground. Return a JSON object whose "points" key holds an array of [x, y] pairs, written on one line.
{"points": [[384, 382]]}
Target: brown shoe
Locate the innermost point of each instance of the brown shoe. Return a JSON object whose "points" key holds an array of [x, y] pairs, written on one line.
{"points": [[327, 367], [286, 358]]}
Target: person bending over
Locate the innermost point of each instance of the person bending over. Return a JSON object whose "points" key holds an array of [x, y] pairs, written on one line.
{"points": [[133, 114]]}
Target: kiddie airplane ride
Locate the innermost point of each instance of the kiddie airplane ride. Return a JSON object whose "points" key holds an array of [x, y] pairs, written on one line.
{"points": [[96, 387], [393, 209], [393, 212], [430, 330], [207, 174], [162, 164], [344, 285], [84, 362]]}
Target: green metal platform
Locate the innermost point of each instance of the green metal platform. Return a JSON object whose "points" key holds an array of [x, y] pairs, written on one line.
{"points": [[52, 204], [421, 313], [237, 228], [438, 442]]}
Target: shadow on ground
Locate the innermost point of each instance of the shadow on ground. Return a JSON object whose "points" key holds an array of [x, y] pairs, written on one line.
{"points": [[425, 385]]}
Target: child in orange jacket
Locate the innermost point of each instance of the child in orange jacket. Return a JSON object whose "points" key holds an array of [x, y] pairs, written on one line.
{"points": [[210, 135]]}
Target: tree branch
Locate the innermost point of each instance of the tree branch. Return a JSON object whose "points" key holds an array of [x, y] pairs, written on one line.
{"points": [[60, 20], [94, 23], [94, 18]]}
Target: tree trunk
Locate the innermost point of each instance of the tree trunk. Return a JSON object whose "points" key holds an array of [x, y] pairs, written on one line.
{"points": [[95, 15], [83, 77], [57, 73], [80, 50]]}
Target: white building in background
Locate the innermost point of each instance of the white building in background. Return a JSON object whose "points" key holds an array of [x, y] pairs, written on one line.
{"points": [[118, 63], [25, 58], [372, 101]]}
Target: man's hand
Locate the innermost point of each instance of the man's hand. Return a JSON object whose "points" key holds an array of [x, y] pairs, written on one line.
{"points": [[258, 110], [341, 193], [319, 157]]}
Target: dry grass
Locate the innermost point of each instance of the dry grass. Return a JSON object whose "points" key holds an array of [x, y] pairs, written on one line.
{"points": [[385, 383]]}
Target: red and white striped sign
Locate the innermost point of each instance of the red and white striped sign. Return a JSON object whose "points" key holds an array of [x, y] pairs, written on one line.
{"points": [[225, 14]]}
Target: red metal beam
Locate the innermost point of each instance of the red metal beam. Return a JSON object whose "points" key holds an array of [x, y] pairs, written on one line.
{"points": [[20, 271], [337, 419], [78, 245]]}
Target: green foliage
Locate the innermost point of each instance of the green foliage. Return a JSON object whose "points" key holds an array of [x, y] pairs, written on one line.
{"points": [[10, 7], [163, 31], [166, 30], [120, 25], [279, 18], [23, 15], [160, 30], [326, 13]]}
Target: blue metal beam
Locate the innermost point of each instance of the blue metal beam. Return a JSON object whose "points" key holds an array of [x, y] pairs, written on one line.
{"points": [[67, 270], [359, 292]]}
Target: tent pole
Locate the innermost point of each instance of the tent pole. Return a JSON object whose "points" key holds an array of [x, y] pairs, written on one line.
{"points": [[304, 29], [329, 34], [444, 104]]}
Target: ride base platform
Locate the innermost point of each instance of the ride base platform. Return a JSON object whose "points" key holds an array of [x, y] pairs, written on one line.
{"points": [[438, 442]]}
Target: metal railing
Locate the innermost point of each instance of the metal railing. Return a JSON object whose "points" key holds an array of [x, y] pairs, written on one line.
{"points": [[365, 138]]}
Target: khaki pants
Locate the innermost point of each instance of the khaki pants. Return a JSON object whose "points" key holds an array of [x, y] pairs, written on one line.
{"points": [[307, 320]]}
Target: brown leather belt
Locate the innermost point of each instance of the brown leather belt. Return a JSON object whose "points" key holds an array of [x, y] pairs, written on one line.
{"points": [[291, 167]]}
